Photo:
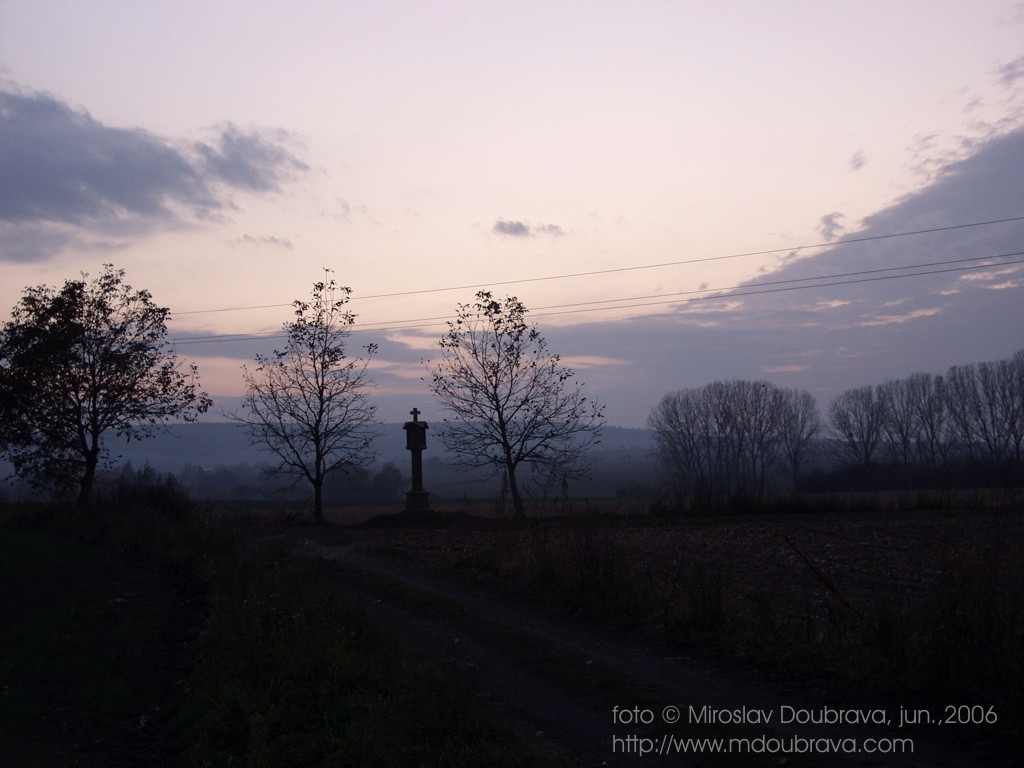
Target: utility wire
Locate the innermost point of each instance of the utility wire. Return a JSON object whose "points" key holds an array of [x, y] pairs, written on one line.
{"points": [[634, 268], [699, 260], [790, 288], [776, 286], [793, 280]]}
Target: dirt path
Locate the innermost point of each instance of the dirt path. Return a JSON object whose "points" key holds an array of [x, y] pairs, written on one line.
{"points": [[564, 683]]}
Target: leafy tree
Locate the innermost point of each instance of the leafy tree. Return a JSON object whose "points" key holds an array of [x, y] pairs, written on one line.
{"points": [[83, 362], [308, 404], [512, 404]]}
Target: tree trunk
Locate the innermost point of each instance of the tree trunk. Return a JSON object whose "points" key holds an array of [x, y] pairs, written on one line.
{"points": [[517, 499], [318, 500], [88, 478]]}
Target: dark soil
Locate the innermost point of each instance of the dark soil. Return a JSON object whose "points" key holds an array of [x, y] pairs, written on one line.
{"points": [[562, 671]]}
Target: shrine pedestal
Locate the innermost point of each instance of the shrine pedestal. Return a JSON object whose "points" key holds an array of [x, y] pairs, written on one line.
{"points": [[417, 499]]}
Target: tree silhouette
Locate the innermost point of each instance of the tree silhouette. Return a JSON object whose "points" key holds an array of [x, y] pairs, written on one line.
{"points": [[512, 404], [856, 417], [81, 363], [724, 441], [308, 404]]}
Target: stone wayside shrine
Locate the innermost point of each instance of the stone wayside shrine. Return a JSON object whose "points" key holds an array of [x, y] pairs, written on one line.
{"points": [[416, 500]]}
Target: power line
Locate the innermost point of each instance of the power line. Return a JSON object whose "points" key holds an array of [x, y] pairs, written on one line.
{"points": [[702, 259], [230, 309], [803, 280], [776, 286], [634, 268], [798, 287]]}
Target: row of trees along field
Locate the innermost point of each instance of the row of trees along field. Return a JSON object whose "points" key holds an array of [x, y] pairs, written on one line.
{"points": [[733, 441], [970, 420], [730, 440], [91, 361]]}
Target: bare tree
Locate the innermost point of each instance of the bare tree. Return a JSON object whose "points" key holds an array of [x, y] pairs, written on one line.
{"points": [[856, 420], [748, 415], [723, 441], [901, 424], [1014, 387], [800, 423], [997, 415], [763, 410], [511, 402], [928, 394], [962, 402], [308, 404], [81, 363], [686, 442]]}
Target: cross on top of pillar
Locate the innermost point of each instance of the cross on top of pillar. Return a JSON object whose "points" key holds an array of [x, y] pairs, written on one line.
{"points": [[415, 414]]}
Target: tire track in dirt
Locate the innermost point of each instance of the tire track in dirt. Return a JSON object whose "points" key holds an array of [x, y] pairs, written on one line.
{"points": [[562, 681]]}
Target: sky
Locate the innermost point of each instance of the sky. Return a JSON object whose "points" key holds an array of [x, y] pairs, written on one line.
{"points": [[819, 194]]}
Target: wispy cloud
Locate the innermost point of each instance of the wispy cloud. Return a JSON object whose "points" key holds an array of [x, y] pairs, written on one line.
{"points": [[592, 361], [905, 318], [830, 225], [261, 240], [1011, 72], [256, 161], [549, 229], [988, 276], [823, 305]]}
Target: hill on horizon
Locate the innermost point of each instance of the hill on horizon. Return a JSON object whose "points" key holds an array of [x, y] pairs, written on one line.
{"points": [[212, 444]]}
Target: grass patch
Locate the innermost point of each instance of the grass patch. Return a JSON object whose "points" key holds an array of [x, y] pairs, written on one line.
{"points": [[142, 638], [94, 652]]}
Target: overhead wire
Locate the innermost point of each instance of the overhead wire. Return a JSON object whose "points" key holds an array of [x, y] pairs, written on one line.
{"points": [[748, 289], [635, 267]]}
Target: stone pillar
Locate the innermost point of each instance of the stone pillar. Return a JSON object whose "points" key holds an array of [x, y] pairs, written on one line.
{"points": [[416, 500]]}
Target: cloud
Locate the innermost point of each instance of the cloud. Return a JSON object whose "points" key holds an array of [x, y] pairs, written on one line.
{"points": [[550, 229], [889, 319], [830, 227], [511, 228], [59, 165], [942, 319], [591, 361], [258, 240], [858, 161], [1011, 72], [983, 184], [519, 229], [62, 171], [250, 161]]}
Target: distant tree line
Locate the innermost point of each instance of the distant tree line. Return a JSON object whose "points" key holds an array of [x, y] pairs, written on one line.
{"points": [[731, 442], [245, 481], [968, 423]]}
